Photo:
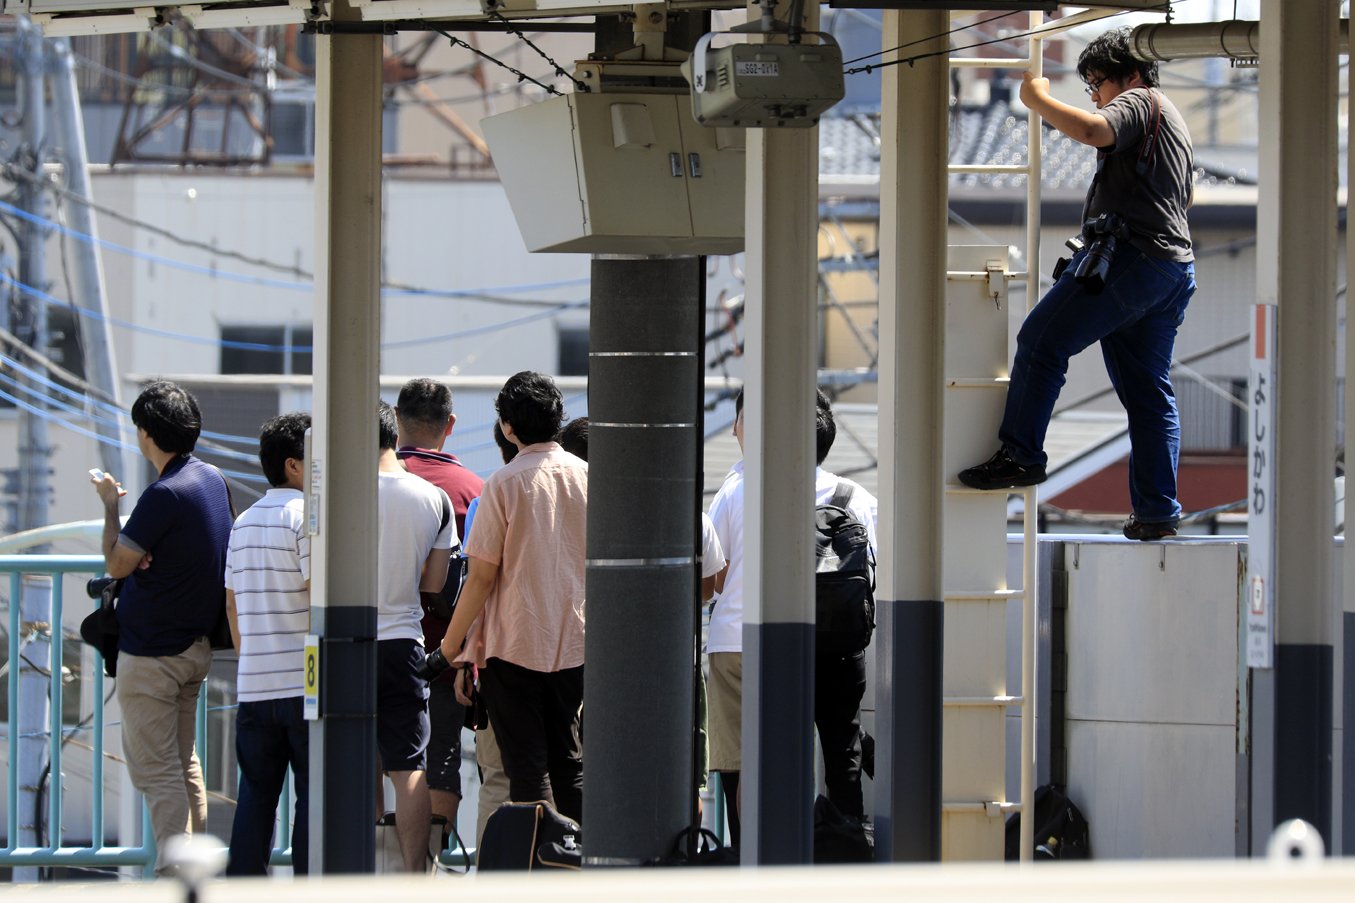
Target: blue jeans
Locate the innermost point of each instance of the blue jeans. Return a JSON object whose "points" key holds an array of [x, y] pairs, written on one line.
{"points": [[269, 735], [1135, 319]]}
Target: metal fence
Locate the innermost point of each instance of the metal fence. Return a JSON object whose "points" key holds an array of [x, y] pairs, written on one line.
{"points": [[36, 741], [49, 741]]}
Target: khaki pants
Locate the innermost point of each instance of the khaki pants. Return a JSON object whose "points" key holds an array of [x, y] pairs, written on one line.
{"points": [[158, 696], [725, 701], [493, 779]]}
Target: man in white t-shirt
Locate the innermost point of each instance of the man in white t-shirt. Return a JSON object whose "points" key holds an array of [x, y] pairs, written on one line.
{"points": [[268, 605], [839, 681], [416, 532], [724, 640]]}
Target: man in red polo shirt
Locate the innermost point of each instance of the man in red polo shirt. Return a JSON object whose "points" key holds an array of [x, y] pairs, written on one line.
{"points": [[423, 415]]}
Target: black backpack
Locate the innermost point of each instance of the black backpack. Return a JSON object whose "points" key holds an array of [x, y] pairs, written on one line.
{"points": [[844, 578], [1061, 831]]}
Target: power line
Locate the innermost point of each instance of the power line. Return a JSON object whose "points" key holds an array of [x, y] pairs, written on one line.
{"points": [[487, 329], [948, 51], [182, 55], [932, 38], [491, 295]]}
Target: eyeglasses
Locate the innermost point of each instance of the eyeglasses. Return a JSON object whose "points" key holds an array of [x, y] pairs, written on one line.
{"points": [[1094, 86]]}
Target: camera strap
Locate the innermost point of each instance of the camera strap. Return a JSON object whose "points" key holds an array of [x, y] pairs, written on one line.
{"points": [[1147, 151], [1148, 147]]}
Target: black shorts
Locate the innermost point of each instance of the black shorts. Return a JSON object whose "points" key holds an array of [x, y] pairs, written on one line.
{"points": [[401, 705], [446, 716]]}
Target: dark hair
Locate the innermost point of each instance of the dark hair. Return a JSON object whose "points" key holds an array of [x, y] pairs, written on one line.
{"points": [[573, 437], [738, 404], [825, 427], [280, 438], [170, 416], [1109, 56], [424, 403], [385, 427], [532, 405], [508, 450]]}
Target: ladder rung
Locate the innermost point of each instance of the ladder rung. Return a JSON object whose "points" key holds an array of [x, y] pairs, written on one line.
{"points": [[975, 275], [962, 489], [982, 701], [992, 595], [986, 62], [991, 808], [982, 168], [980, 382]]}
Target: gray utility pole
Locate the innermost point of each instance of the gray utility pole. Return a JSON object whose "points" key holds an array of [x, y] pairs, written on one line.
{"points": [[96, 335], [30, 325]]}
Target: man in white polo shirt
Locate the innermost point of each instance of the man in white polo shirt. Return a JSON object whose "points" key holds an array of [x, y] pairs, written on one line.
{"points": [[268, 604]]}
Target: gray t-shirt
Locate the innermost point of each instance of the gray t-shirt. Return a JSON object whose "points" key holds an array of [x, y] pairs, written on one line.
{"points": [[1155, 203]]}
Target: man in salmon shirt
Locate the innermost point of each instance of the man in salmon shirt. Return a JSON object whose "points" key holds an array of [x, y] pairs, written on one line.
{"points": [[524, 592]]}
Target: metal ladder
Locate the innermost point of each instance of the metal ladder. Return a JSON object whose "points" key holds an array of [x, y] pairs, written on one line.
{"points": [[974, 568]]}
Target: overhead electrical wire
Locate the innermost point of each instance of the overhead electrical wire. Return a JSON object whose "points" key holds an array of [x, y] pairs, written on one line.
{"points": [[943, 34], [495, 294], [96, 316], [114, 417], [196, 62], [910, 60]]}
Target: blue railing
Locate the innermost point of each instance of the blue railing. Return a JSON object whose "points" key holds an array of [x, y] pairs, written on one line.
{"points": [[55, 853]]}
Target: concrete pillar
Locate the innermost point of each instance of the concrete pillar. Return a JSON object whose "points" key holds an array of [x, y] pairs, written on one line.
{"points": [[644, 406], [781, 336], [343, 450], [912, 307], [1296, 217]]}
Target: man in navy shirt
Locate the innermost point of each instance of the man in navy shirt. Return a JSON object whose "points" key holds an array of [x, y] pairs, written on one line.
{"points": [[172, 550]]}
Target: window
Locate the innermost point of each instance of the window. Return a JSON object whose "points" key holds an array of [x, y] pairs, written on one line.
{"points": [[573, 351], [266, 349]]}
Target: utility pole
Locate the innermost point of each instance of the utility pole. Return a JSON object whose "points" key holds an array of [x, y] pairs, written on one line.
{"points": [[96, 335], [30, 325]]}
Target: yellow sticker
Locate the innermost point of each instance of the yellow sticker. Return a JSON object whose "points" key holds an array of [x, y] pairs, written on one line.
{"points": [[310, 695]]}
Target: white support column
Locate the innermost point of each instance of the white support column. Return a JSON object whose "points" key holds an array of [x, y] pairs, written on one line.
{"points": [[778, 635], [913, 201], [1343, 824], [344, 445], [1296, 216]]}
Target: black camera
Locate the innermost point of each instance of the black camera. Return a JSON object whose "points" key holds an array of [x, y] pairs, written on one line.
{"points": [[1103, 234], [103, 587]]}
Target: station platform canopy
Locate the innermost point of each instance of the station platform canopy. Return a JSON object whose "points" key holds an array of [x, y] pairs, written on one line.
{"points": [[77, 17]]}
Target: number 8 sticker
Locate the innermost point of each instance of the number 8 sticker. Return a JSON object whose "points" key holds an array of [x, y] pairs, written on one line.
{"points": [[310, 696]]}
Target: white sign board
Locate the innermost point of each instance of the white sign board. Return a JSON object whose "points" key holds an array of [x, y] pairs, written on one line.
{"points": [[1260, 590]]}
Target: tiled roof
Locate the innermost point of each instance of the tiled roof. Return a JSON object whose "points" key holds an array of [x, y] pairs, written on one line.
{"points": [[993, 134]]}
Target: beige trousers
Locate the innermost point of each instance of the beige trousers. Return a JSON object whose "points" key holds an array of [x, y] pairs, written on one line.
{"points": [[158, 696], [493, 780]]}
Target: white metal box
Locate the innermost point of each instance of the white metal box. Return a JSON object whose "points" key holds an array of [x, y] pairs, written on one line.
{"points": [[620, 173]]}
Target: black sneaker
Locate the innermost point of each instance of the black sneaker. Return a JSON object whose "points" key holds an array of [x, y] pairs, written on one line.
{"points": [[1145, 532], [1001, 472]]}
